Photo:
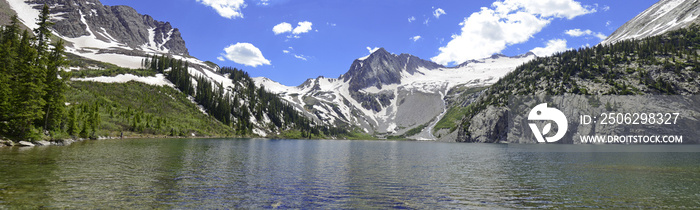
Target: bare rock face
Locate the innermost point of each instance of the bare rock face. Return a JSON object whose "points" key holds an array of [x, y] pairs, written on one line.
{"points": [[122, 24], [383, 68], [488, 126], [665, 15], [379, 69]]}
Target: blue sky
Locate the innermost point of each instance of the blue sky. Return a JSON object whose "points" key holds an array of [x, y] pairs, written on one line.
{"points": [[314, 38]]}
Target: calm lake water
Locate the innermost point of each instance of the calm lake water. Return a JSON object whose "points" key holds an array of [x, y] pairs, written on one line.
{"points": [[247, 173]]}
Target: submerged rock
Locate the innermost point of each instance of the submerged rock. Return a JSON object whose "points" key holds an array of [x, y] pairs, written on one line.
{"points": [[64, 142], [6, 143], [42, 143]]}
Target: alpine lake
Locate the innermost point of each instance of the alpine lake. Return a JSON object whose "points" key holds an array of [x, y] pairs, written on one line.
{"points": [[340, 174]]}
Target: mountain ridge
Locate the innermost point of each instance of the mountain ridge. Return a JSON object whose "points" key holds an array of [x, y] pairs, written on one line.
{"points": [[111, 34], [663, 16], [391, 95]]}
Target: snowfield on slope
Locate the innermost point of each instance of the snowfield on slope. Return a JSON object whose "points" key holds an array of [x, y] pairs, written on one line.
{"points": [[158, 80]]}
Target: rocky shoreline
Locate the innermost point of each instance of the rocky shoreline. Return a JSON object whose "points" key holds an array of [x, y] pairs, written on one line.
{"points": [[58, 142], [66, 142]]}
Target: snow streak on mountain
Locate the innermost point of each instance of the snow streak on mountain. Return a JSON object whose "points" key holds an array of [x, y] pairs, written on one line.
{"points": [[666, 15]]}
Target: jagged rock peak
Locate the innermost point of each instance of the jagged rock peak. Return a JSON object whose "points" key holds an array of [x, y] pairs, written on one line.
{"points": [[121, 24], [383, 68]]}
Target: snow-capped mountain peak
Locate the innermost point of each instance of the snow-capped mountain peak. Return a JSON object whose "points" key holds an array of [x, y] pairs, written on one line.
{"points": [[389, 94], [383, 68]]}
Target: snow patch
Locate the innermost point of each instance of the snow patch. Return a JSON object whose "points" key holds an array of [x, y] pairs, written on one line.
{"points": [[259, 132], [25, 12], [158, 80], [200, 107]]}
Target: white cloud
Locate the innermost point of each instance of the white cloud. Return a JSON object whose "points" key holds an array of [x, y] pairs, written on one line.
{"points": [[411, 19], [246, 54], [220, 58], [226, 8], [505, 23], [438, 12], [546, 8], [608, 23], [283, 27], [606, 8], [578, 32], [285, 51], [303, 27], [415, 38], [300, 57], [600, 36], [553, 46], [371, 50]]}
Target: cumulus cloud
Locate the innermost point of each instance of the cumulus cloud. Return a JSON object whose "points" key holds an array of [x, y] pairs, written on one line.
{"points": [[411, 19], [303, 27], [505, 23], [553, 46], [226, 8], [220, 58], [415, 38], [283, 27], [578, 32], [438, 12], [285, 51], [246, 54]]}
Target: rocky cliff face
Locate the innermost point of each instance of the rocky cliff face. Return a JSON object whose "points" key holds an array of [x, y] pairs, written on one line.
{"points": [[660, 65], [665, 15], [112, 24]]}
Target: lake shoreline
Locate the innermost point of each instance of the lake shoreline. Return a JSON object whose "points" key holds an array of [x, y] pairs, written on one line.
{"points": [[66, 142]]}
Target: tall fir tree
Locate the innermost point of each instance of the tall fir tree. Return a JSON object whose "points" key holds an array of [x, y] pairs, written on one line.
{"points": [[8, 56], [55, 89], [28, 100], [72, 122], [43, 33]]}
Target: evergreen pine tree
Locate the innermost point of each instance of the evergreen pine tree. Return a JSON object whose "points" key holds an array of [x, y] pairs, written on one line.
{"points": [[8, 57], [55, 89], [72, 122], [27, 98], [84, 131], [43, 32]]}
